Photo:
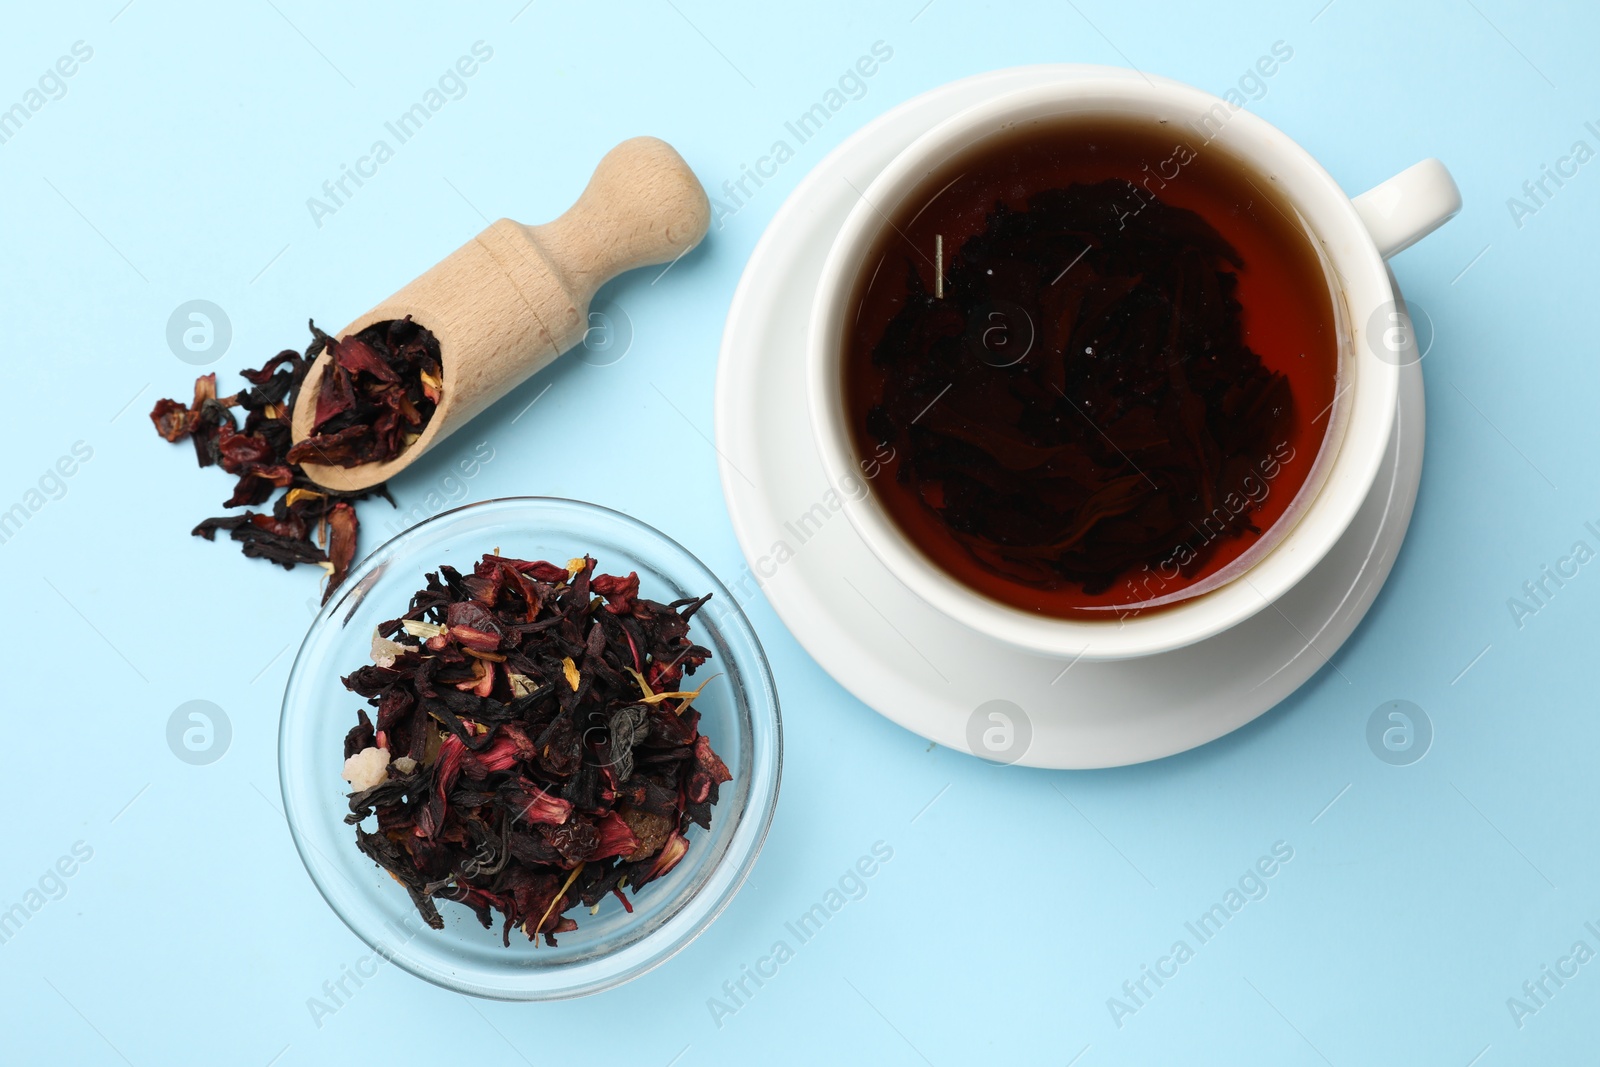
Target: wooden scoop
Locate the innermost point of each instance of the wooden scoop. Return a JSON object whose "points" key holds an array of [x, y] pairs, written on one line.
{"points": [[512, 299]]}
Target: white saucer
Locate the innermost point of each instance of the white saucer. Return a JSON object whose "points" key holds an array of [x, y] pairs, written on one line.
{"points": [[922, 669]]}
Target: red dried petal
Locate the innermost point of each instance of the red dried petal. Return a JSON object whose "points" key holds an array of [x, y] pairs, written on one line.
{"points": [[671, 852], [510, 744], [476, 639], [290, 526], [709, 761], [699, 787], [342, 530], [616, 839], [336, 396], [240, 451], [482, 673], [534, 805], [173, 421], [620, 593], [539, 570], [474, 626], [347, 448], [388, 434], [430, 817], [205, 388], [485, 686], [664, 677], [525, 587], [354, 354], [498, 755], [395, 399], [261, 377]]}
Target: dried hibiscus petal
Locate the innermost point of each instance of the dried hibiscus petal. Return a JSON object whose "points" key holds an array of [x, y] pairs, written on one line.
{"points": [[619, 592], [342, 449], [336, 396], [171, 419], [353, 354], [342, 528], [675, 849]]}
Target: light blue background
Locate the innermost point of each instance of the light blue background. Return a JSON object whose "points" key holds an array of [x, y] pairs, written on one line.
{"points": [[177, 166]]}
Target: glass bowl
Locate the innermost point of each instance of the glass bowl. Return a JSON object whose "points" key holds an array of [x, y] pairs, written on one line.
{"points": [[739, 714]]}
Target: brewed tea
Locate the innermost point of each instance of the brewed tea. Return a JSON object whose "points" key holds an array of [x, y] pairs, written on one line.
{"points": [[1104, 354]]}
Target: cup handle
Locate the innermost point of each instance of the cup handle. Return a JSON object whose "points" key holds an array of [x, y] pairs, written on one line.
{"points": [[1406, 208]]}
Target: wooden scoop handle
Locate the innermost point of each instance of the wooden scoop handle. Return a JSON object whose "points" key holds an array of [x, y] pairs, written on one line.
{"points": [[642, 206], [508, 302]]}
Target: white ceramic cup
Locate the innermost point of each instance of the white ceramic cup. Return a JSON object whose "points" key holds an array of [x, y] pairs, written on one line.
{"points": [[1354, 236]]}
